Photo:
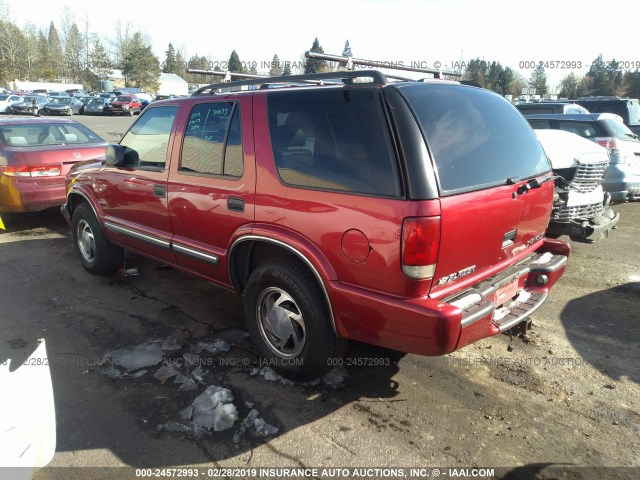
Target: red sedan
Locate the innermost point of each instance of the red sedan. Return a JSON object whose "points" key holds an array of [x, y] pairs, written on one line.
{"points": [[35, 156]]}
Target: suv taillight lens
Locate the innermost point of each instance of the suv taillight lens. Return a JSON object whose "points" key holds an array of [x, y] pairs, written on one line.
{"points": [[611, 145], [420, 242], [32, 170]]}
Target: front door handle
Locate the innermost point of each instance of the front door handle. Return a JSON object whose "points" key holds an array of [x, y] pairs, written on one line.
{"points": [[159, 190]]}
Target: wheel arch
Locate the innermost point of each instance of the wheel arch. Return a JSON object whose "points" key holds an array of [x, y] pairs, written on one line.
{"points": [[249, 251]]}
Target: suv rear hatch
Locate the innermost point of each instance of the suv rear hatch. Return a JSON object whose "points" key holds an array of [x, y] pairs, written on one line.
{"points": [[493, 181]]}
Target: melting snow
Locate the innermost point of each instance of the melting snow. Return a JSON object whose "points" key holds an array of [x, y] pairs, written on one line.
{"points": [[132, 358]]}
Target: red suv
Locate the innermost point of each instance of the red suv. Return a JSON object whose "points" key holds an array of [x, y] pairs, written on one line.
{"points": [[125, 105], [409, 215]]}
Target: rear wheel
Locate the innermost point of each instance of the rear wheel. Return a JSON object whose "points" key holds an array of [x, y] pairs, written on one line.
{"points": [[289, 321], [97, 254]]}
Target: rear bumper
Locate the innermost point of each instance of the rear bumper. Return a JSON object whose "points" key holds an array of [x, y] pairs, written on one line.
{"points": [[622, 181], [19, 195], [428, 326]]}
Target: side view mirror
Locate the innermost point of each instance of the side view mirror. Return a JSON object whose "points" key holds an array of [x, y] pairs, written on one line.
{"points": [[119, 156]]}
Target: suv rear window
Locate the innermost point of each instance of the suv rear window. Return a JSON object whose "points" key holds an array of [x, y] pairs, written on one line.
{"points": [[333, 140], [476, 138], [618, 130]]}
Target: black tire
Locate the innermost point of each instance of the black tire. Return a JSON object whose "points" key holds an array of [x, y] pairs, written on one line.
{"points": [[303, 345], [97, 254]]}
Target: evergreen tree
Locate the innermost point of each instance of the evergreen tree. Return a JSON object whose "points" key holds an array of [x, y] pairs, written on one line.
{"points": [[276, 68], [169, 64], [73, 49], [55, 47], [538, 81], [569, 86], [235, 65], [286, 71], [598, 75], [313, 65], [44, 60], [181, 64], [475, 71], [100, 62], [141, 67], [346, 51]]}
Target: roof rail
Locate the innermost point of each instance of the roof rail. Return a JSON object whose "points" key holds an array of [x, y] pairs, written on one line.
{"points": [[345, 77], [350, 62]]}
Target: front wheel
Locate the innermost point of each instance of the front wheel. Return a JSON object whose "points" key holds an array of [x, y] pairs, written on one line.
{"points": [[289, 320], [97, 254]]}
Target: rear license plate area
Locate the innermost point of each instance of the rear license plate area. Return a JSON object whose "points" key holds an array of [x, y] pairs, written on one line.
{"points": [[505, 292]]}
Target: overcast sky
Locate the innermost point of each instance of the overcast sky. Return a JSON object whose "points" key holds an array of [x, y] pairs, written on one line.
{"points": [[425, 32]]}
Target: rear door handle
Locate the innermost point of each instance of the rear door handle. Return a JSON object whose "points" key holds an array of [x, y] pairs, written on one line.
{"points": [[159, 190], [235, 204]]}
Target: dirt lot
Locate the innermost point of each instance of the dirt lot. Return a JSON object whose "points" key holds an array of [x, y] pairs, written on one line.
{"points": [[567, 395]]}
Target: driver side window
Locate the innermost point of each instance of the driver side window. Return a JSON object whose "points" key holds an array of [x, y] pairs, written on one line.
{"points": [[149, 136]]}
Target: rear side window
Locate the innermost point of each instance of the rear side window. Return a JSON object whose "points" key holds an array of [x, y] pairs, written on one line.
{"points": [[333, 140], [149, 136], [212, 141], [477, 138]]}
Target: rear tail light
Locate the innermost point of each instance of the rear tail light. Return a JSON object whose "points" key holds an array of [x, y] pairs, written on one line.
{"points": [[610, 144], [420, 243], [32, 170]]}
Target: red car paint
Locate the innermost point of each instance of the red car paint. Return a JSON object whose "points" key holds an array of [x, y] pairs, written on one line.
{"points": [[486, 240], [24, 187]]}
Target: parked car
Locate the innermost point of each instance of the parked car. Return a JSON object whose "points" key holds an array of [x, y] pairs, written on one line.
{"points": [[6, 100], [30, 105], [581, 207], [63, 106], [622, 178], [550, 107], [96, 106], [125, 105], [36, 155], [75, 92], [52, 95], [324, 207], [627, 108]]}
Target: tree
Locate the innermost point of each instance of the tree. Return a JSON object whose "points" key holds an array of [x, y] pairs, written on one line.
{"points": [[11, 47], [44, 60], [169, 64], [313, 65], [632, 83], [198, 63], [276, 68], [598, 74], [569, 86], [286, 71], [538, 80], [346, 51], [181, 64], [55, 47], [140, 66], [100, 61], [235, 65], [73, 48], [476, 71]]}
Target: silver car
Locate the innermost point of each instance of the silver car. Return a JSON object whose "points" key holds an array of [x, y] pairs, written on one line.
{"points": [[622, 178]]}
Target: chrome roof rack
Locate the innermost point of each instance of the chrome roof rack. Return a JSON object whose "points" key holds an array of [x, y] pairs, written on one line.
{"points": [[346, 77], [350, 62]]}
